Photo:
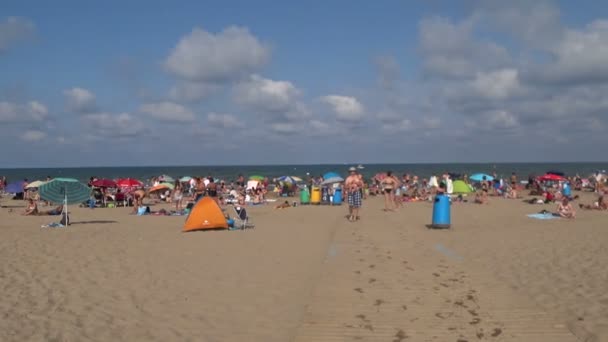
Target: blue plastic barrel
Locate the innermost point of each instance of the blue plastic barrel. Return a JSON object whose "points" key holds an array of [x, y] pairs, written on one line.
{"points": [[337, 200], [567, 190], [441, 212]]}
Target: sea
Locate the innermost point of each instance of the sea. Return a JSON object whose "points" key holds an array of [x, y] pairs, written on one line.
{"points": [[229, 173]]}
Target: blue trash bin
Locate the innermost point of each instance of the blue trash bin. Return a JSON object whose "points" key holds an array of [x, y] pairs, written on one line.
{"points": [[441, 212], [567, 190], [337, 200]]}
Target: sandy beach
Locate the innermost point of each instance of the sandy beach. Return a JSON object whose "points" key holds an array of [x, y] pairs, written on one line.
{"points": [[307, 274]]}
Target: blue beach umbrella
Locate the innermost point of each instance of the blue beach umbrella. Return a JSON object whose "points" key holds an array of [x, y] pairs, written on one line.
{"points": [[478, 177], [331, 175], [15, 187]]}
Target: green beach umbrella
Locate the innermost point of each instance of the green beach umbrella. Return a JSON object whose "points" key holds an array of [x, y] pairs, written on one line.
{"points": [[256, 177], [461, 187], [185, 179], [66, 191]]}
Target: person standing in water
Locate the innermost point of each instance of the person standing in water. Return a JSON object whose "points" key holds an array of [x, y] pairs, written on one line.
{"points": [[353, 186]]}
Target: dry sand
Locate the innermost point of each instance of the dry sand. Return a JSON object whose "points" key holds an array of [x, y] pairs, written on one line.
{"points": [[306, 274]]}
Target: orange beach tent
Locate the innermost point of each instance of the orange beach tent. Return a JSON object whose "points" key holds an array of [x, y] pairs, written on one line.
{"points": [[205, 214]]}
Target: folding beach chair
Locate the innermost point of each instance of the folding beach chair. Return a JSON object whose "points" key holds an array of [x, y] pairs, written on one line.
{"points": [[241, 219]]}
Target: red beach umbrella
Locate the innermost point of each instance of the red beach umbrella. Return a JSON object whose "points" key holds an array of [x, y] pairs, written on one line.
{"points": [[128, 183], [551, 177], [104, 183]]}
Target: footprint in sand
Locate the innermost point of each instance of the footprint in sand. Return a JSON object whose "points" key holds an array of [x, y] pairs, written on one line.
{"points": [[371, 280], [379, 302], [400, 336], [496, 332], [372, 266], [358, 289]]}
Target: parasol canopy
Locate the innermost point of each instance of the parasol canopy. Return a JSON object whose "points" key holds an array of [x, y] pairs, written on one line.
{"points": [[185, 179], [15, 187], [104, 183], [551, 177], [128, 183], [166, 178], [332, 180], [289, 179], [329, 175], [478, 177], [34, 184], [64, 190], [256, 177], [162, 186]]}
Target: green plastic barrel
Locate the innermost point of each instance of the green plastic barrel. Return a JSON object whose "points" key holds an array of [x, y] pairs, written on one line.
{"points": [[304, 196]]}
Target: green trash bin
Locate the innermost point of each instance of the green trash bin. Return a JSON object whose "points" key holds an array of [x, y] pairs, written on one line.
{"points": [[304, 196]]}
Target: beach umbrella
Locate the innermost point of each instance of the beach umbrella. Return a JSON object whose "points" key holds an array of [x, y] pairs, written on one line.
{"points": [[66, 191], [555, 172], [478, 177], [34, 184], [185, 179], [104, 183], [460, 187], [15, 187], [256, 177], [128, 183], [332, 180], [161, 186], [166, 178], [551, 177], [288, 179], [329, 175], [297, 179]]}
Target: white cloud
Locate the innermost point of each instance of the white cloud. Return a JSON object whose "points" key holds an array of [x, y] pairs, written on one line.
{"points": [[33, 111], [207, 57], [33, 135], [265, 94], [191, 91], [497, 84], [168, 111], [224, 120], [451, 51], [284, 127], [14, 29], [80, 100], [346, 108], [580, 57], [109, 125]]}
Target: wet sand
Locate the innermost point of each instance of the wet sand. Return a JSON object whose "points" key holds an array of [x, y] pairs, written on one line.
{"points": [[307, 274]]}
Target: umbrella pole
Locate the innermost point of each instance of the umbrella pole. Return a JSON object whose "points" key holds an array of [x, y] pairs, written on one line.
{"points": [[65, 208]]}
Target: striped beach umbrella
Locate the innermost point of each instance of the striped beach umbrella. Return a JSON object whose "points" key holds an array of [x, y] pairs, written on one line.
{"points": [[64, 190]]}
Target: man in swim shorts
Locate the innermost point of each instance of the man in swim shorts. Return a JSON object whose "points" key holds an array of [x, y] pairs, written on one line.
{"points": [[352, 187]]}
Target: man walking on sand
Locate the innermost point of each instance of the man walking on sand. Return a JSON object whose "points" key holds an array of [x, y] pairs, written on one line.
{"points": [[353, 186]]}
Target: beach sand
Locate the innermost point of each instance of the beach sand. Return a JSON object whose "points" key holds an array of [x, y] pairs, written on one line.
{"points": [[306, 274]]}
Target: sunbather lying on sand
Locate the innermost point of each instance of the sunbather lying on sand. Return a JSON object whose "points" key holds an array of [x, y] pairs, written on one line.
{"points": [[283, 205], [599, 205], [53, 212]]}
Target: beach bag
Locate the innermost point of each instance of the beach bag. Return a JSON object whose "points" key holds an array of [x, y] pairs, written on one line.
{"points": [[141, 211]]}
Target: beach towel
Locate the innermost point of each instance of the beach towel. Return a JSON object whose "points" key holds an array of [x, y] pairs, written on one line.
{"points": [[546, 216], [52, 225]]}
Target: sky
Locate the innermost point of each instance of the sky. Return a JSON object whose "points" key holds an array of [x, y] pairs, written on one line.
{"points": [[126, 83]]}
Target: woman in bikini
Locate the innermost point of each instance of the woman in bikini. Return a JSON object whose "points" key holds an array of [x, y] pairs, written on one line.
{"points": [[599, 205], [178, 195], [389, 184], [32, 208], [565, 210]]}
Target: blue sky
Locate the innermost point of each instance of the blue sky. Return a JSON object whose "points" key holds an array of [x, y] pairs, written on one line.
{"points": [[232, 82]]}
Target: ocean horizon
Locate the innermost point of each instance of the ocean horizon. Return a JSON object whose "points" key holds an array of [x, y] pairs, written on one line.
{"points": [[230, 172]]}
